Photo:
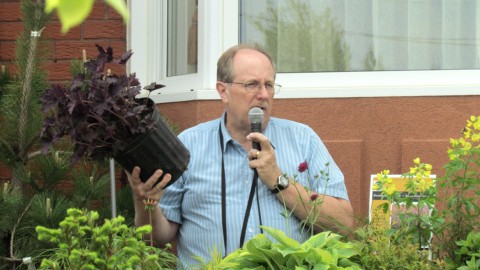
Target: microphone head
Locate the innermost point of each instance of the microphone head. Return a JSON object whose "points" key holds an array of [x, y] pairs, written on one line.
{"points": [[255, 115]]}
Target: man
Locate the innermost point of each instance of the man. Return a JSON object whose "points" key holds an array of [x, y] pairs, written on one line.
{"points": [[218, 203]]}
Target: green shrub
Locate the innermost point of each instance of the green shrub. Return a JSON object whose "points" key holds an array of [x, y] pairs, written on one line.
{"points": [[468, 252], [83, 243], [450, 230], [384, 248]]}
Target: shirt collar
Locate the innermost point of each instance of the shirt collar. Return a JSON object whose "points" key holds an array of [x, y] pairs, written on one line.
{"points": [[227, 137], [224, 131]]}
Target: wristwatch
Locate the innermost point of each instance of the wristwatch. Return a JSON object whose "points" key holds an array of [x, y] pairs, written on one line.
{"points": [[282, 183]]}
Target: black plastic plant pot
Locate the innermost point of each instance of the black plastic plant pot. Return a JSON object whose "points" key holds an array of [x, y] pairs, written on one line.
{"points": [[157, 149]]}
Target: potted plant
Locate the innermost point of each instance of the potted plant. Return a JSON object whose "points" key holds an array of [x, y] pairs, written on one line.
{"points": [[104, 118]]}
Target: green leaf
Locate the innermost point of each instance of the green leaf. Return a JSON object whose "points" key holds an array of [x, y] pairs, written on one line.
{"points": [[385, 207], [255, 248], [317, 241], [71, 13], [324, 256], [120, 7], [281, 237], [321, 266], [51, 5]]}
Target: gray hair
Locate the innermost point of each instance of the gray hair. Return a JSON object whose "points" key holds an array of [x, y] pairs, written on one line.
{"points": [[225, 62]]}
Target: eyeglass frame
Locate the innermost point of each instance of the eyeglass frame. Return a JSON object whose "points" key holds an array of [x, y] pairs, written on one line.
{"points": [[257, 84]]}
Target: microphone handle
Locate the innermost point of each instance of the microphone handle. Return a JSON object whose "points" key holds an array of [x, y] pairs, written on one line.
{"points": [[256, 145], [256, 127]]}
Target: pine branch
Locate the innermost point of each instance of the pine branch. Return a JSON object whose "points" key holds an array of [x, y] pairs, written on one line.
{"points": [[5, 146], [26, 83], [12, 239], [8, 259]]}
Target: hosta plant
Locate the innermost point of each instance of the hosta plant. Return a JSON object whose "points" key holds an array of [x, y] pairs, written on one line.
{"points": [[321, 251]]}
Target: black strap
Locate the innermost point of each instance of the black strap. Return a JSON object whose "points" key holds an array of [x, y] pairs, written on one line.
{"points": [[258, 204], [249, 206], [253, 190], [224, 196]]}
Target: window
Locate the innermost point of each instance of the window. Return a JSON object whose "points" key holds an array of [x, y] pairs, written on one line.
{"points": [[182, 37], [364, 35], [164, 37], [322, 48]]}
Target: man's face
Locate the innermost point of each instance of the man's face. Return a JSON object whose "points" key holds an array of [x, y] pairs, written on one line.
{"points": [[250, 66]]}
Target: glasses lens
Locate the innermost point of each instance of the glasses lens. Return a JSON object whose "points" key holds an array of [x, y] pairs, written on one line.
{"points": [[277, 88], [252, 87]]}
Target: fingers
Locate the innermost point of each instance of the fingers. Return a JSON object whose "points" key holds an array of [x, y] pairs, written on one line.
{"points": [[150, 183], [152, 189], [261, 139], [267, 149], [255, 155]]}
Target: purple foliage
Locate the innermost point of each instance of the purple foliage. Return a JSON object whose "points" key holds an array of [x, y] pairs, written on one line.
{"points": [[98, 111]]}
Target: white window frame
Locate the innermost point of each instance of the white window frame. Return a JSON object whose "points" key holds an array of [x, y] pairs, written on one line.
{"points": [[218, 30]]}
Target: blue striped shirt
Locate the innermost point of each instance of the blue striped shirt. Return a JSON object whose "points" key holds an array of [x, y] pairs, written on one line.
{"points": [[194, 200]]}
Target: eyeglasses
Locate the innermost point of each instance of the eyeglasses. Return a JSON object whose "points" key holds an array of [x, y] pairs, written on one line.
{"points": [[254, 87]]}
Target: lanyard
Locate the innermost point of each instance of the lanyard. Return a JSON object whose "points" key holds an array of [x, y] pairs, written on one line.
{"points": [[253, 190]]}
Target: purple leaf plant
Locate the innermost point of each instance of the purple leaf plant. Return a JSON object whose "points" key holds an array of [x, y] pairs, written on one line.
{"points": [[97, 110]]}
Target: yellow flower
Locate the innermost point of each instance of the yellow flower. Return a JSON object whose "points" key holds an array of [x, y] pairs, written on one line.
{"points": [[384, 183], [467, 146], [428, 167], [423, 185], [389, 189], [454, 142], [416, 161], [476, 125], [475, 137]]}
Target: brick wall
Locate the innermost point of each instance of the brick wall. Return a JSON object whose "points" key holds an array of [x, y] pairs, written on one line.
{"points": [[103, 26]]}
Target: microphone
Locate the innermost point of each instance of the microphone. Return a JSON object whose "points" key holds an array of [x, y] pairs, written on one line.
{"points": [[255, 115]]}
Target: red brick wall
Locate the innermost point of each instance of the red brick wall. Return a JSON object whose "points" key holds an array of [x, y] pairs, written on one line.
{"points": [[364, 135], [103, 26]]}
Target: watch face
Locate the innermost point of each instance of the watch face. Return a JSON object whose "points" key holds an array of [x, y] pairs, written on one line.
{"points": [[283, 181]]}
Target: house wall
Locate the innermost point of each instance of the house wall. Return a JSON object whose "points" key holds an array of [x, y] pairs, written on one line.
{"points": [[103, 26], [364, 135]]}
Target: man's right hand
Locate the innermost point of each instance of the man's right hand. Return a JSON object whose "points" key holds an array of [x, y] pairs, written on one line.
{"points": [[146, 191], [163, 231]]}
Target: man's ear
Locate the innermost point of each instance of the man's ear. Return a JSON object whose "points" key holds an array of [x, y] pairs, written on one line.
{"points": [[222, 91]]}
